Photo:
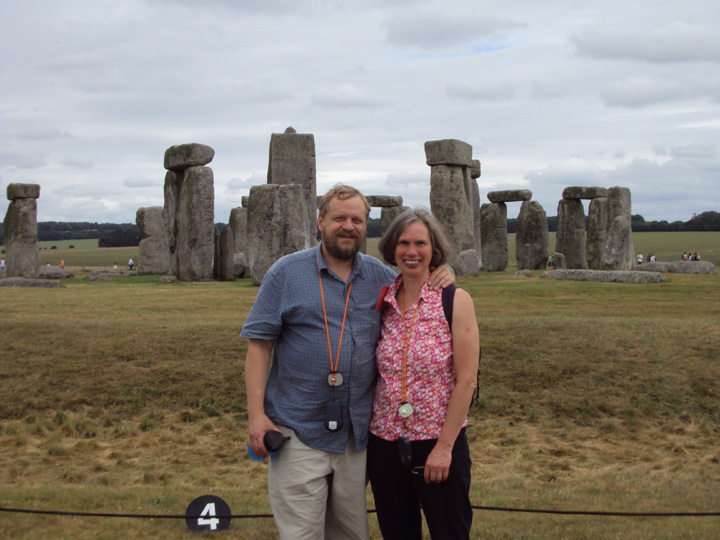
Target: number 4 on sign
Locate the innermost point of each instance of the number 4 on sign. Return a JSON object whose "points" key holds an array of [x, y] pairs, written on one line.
{"points": [[202, 514], [213, 522]]}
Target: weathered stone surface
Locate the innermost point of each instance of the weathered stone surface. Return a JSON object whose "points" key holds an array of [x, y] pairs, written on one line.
{"points": [[277, 225], [225, 251], [449, 204], [448, 152], [532, 238], [29, 282], [475, 169], [493, 222], [384, 201], [23, 191], [238, 225], [609, 232], [245, 199], [677, 267], [155, 256], [597, 229], [183, 156], [292, 161], [195, 227], [559, 261], [618, 250], [388, 215], [510, 195], [467, 263], [22, 257], [170, 206], [581, 192], [240, 269], [606, 276], [570, 235], [97, 276], [54, 272], [167, 279]]}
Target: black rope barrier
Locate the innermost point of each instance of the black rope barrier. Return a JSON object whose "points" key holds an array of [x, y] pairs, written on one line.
{"points": [[257, 516]]}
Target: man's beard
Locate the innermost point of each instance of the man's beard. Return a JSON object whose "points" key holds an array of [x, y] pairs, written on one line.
{"points": [[334, 249]]}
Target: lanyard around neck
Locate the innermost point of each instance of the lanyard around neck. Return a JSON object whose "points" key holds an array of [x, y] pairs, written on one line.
{"points": [[407, 336], [333, 367]]}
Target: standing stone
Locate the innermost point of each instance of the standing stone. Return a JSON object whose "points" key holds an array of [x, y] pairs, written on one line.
{"points": [[172, 191], [277, 225], [226, 262], [570, 235], [189, 211], [20, 231], [450, 162], [238, 225], [475, 207], [467, 263], [493, 222], [532, 238], [292, 161], [597, 228], [609, 239], [195, 225], [154, 247], [388, 215]]}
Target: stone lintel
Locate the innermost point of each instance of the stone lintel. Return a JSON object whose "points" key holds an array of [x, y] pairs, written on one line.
{"points": [[187, 155], [510, 195], [581, 192], [23, 191], [448, 152], [384, 201]]}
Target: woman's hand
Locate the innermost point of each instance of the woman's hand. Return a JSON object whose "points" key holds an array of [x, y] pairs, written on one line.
{"points": [[437, 465]]}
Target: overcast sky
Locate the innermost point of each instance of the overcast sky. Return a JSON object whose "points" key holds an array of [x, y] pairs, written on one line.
{"points": [[549, 94]]}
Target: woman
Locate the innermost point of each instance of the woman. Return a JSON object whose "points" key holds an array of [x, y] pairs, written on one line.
{"points": [[418, 452]]}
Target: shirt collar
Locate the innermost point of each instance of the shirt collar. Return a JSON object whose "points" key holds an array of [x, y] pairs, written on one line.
{"points": [[358, 263]]}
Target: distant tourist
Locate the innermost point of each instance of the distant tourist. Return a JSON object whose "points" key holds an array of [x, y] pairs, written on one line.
{"points": [[114, 266], [639, 258], [2, 264], [131, 264], [62, 263]]}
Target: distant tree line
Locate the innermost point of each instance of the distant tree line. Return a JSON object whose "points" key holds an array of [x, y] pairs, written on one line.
{"points": [[127, 234]]}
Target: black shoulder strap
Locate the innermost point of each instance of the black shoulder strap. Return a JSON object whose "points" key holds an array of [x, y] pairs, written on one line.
{"points": [[448, 300]]}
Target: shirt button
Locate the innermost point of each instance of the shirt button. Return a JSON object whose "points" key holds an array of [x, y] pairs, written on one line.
{"points": [[355, 334]]}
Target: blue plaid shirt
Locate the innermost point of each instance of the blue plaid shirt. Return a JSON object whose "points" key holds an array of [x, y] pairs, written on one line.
{"points": [[288, 310]]}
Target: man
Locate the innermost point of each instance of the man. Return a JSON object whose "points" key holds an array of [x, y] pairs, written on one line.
{"points": [[317, 313]]}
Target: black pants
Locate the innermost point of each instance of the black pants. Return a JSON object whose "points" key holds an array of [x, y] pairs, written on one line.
{"points": [[399, 493]]}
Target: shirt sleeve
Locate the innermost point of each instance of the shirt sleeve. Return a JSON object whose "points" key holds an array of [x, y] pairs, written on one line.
{"points": [[265, 318]]}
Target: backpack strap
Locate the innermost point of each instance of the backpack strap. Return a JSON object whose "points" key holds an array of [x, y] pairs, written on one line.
{"points": [[448, 300]]}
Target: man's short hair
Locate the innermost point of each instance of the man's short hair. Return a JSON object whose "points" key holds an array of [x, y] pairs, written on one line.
{"points": [[441, 248], [342, 192]]}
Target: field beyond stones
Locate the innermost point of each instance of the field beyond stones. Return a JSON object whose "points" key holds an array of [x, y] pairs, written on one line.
{"points": [[128, 397]]}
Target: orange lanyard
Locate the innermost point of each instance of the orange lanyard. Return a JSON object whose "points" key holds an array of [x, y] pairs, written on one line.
{"points": [[333, 367], [407, 335]]}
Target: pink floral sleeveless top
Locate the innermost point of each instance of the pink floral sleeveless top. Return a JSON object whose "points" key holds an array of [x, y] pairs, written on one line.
{"points": [[430, 376]]}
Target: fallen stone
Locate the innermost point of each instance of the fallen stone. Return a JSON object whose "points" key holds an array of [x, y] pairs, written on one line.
{"points": [[448, 152], [167, 279], [183, 156], [510, 195], [97, 276], [677, 267], [581, 192], [28, 282], [605, 276], [54, 272]]}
